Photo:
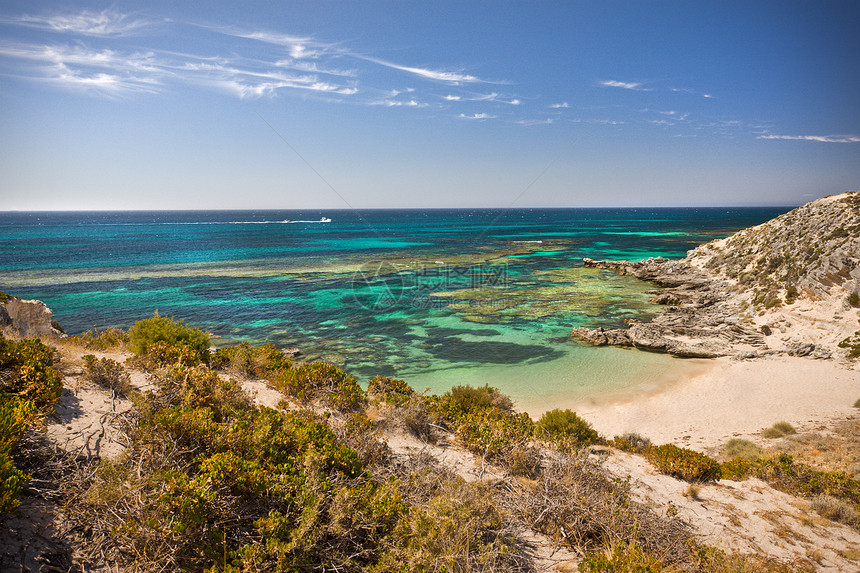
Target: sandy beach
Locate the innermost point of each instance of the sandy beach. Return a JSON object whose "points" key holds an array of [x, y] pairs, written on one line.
{"points": [[734, 398]]}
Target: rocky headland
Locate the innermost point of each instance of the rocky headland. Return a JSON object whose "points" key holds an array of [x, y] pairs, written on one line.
{"points": [[787, 286]]}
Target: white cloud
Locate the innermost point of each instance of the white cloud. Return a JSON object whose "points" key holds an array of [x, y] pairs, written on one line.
{"points": [[454, 78], [626, 85], [821, 138], [562, 105], [477, 116], [400, 103], [547, 121], [79, 67], [87, 23], [494, 97]]}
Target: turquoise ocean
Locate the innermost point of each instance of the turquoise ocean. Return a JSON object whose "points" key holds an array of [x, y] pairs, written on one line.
{"points": [[435, 297]]}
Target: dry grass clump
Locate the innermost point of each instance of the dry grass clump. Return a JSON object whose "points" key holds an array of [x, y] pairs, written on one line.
{"points": [[837, 450], [738, 448], [575, 502], [109, 338], [778, 430], [836, 509]]}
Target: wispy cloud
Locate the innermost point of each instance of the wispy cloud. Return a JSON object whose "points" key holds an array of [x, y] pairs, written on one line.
{"points": [[527, 122], [821, 138], [80, 67], [637, 86], [477, 116], [450, 77], [562, 105], [490, 97], [87, 23]]}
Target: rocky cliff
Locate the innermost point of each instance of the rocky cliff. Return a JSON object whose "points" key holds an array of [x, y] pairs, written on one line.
{"points": [[786, 286], [26, 319]]}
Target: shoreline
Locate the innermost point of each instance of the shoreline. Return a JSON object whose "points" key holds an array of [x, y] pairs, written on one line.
{"points": [[732, 399]]}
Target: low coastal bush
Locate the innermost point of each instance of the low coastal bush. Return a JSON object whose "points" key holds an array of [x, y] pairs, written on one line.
{"points": [[577, 504], [107, 373], [778, 430], [29, 388], [683, 463], [857, 403], [458, 529], [566, 430], [161, 341], [27, 372], [109, 338], [15, 416], [389, 390], [246, 360], [738, 448], [460, 401], [784, 474], [321, 381], [631, 442], [501, 437], [852, 344]]}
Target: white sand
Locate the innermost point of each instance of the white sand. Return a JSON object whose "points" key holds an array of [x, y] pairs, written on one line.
{"points": [[734, 399]]}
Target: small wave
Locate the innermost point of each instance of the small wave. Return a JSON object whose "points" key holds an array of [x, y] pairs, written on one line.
{"points": [[537, 242]]}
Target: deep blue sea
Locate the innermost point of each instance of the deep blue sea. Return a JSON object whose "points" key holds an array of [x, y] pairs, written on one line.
{"points": [[436, 297]]}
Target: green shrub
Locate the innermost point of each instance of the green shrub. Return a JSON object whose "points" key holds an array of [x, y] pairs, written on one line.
{"points": [[29, 388], [778, 430], [4, 298], [259, 361], [631, 442], [790, 294], [857, 403], [565, 429], [27, 371], [390, 390], [623, 557], [854, 299], [165, 341], [738, 448], [784, 474], [852, 344], [15, 416], [318, 380], [683, 463], [107, 373], [458, 529], [460, 401], [490, 432]]}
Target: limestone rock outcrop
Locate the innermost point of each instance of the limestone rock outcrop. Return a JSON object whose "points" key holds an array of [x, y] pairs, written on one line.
{"points": [[27, 319], [714, 292]]}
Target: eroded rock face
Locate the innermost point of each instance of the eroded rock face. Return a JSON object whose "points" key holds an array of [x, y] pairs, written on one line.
{"points": [[814, 249], [27, 319]]}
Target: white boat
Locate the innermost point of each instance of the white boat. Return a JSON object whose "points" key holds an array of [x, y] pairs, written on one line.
{"points": [[325, 220]]}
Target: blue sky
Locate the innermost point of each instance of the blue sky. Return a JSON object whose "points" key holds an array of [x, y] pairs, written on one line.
{"points": [[213, 105]]}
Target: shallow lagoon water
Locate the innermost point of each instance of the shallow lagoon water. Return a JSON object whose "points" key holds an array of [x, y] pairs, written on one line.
{"points": [[438, 298]]}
